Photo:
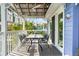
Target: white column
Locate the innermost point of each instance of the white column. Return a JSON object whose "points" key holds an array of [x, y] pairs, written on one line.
{"points": [[56, 30], [49, 41], [4, 28], [48, 27], [23, 24], [43, 27]]}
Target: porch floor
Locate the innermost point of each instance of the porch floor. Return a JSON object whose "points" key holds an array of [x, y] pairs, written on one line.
{"points": [[35, 50]]}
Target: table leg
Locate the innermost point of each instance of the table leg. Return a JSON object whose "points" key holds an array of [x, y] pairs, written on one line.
{"points": [[31, 42]]}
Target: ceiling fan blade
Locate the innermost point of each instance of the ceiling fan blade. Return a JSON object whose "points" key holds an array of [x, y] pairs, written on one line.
{"points": [[37, 6]]}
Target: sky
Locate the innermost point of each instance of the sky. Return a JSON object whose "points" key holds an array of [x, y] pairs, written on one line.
{"points": [[37, 20]]}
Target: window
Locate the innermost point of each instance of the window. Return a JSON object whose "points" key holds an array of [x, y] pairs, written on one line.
{"points": [[0, 13], [0, 18], [52, 29], [60, 29], [13, 18]]}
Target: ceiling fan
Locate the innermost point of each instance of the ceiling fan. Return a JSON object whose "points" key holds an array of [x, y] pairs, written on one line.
{"points": [[37, 6]]}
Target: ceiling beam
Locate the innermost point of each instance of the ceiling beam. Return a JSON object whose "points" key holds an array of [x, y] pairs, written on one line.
{"points": [[32, 12], [44, 9], [34, 16], [48, 7], [36, 9], [15, 8], [29, 9], [21, 10]]}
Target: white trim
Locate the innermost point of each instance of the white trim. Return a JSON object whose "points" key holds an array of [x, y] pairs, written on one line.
{"points": [[4, 28], [56, 9], [59, 48], [52, 9], [56, 29], [63, 33], [60, 10]]}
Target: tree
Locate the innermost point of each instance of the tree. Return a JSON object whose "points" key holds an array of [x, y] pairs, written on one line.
{"points": [[17, 27], [29, 26], [14, 27]]}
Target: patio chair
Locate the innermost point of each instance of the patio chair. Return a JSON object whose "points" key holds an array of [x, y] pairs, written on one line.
{"points": [[44, 41], [23, 41], [22, 38]]}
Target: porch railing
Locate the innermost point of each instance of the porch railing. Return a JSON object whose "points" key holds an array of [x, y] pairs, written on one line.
{"points": [[13, 38]]}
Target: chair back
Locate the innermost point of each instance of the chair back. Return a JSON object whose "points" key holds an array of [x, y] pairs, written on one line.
{"points": [[21, 37], [46, 37]]}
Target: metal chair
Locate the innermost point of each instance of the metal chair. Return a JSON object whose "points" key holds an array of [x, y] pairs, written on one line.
{"points": [[21, 37], [44, 41]]}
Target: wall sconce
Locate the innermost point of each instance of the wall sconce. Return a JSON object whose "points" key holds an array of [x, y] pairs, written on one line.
{"points": [[76, 3], [68, 16]]}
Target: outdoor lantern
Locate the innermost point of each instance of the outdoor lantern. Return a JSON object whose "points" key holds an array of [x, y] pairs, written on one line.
{"points": [[68, 16], [76, 3]]}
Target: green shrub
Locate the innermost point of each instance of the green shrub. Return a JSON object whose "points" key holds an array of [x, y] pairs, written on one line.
{"points": [[17, 27]]}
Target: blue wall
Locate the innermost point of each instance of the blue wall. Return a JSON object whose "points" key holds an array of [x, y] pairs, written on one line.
{"points": [[71, 29], [75, 29]]}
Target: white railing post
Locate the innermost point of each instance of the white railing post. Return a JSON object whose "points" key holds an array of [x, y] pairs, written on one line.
{"points": [[4, 8], [18, 41], [4, 28], [23, 24]]}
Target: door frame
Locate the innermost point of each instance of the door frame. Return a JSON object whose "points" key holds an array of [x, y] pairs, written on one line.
{"points": [[58, 11], [53, 30]]}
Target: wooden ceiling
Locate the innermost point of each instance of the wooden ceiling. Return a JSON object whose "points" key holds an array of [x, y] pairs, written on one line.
{"points": [[31, 9]]}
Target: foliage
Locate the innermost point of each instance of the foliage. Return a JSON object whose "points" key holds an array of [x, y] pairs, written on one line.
{"points": [[42, 33], [60, 26], [29, 26], [10, 27], [14, 27], [36, 32], [17, 27], [60, 29], [39, 27]]}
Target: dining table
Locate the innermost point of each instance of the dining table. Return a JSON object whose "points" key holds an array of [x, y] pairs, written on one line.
{"points": [[34, 38]]}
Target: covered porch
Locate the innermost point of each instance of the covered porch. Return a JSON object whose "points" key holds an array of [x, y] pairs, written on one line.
{"points": [[9, 40]]}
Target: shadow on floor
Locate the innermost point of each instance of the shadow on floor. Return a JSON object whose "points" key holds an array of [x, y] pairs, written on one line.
{"points": [[32, 50], [23, 51], [51, 51]]}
